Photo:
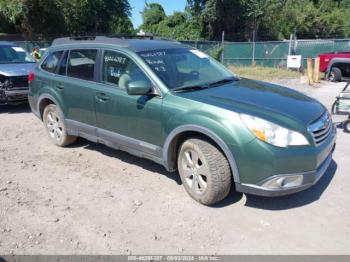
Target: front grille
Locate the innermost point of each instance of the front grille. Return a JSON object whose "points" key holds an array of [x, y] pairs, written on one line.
{"points": [[19, 81], [321, 128]]}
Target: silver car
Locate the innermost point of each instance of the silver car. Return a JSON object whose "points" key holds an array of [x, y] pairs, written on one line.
{"points": [[15, 65]]}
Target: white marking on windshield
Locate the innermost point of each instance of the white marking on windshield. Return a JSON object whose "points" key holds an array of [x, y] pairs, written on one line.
{"points": [[199, 53], [152, 54]]}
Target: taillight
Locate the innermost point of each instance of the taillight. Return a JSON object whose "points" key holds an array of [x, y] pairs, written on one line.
{"points": [[31, 77]]}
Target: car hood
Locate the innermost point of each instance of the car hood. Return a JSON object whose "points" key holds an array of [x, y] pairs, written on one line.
{"points": [[261, 99], [16, 69]]}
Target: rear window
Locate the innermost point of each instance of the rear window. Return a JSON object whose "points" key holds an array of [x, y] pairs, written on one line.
{"points": [[51, 62], [81, 64]]}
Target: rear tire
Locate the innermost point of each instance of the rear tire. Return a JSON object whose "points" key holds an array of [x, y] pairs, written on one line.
{"points": [[204, 171], [55, 126], [346, 125], [335, 75]]}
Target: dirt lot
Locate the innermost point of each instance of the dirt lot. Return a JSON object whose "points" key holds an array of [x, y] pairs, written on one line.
{"points": [[89, 199]]}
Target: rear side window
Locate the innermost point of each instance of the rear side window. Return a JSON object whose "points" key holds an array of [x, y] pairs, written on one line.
{"points": [[81, 64], [51, 62]]}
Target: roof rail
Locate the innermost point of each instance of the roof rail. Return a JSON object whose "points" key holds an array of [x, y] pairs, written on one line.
{"points": [[122, 36], [120, 39], [82, 38]]}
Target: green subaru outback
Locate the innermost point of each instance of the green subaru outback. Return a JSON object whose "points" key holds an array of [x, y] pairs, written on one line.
{"points": [[175, 105]]}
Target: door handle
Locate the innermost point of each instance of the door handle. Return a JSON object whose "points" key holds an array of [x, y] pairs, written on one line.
{"points": [[102, 97]]}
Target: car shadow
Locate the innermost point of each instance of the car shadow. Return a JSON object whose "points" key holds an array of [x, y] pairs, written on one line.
{"points": [[15, 109], [295, 200], [232, 198], [149, 165], [268, 203], [127, 158]]}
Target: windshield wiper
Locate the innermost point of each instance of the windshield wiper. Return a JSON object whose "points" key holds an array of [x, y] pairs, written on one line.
{"points": [[189, 88], [205, 86], [223, 81]]}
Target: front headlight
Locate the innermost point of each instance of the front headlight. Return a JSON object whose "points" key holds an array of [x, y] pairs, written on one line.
{"points": [[272, 133]]}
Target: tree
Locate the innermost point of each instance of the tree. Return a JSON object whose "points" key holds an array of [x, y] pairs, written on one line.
{"points": [[67, 16], [274, 19], [84, 16], [221, 15], [152, 14], [179, 25]]}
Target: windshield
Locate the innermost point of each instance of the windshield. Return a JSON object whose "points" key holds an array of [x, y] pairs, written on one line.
{"points": [[183, 67], [13, 55]]}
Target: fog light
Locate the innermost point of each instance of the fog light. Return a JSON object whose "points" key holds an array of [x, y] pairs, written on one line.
{"points": [[284, 182]]}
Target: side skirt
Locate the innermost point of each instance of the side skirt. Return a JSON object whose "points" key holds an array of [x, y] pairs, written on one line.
{"points": [[130, 145]]}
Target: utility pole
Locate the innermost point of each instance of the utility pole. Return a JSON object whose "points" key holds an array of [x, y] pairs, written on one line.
{"points": [[253, 55], [290, 44], [223, 47]]}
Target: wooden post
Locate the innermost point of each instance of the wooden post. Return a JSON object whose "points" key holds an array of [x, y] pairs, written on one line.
{"points": [[310, 71], [317, 70]]}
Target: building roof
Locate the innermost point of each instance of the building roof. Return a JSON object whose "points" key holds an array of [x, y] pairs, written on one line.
{"points": [[135, 44]]}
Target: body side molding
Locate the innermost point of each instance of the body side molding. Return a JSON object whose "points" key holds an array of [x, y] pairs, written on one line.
{"points": [[117, 141]]}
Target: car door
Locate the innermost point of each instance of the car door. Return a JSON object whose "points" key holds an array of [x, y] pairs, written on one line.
{"points": [[44, 75], [75, 81], [136, 118]]}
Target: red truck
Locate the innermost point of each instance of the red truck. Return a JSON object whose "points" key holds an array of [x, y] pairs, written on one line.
{"points": [[336, 66]]}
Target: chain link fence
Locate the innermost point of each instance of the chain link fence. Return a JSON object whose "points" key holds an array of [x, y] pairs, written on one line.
{"points": [[273, 53], [269, 54]]}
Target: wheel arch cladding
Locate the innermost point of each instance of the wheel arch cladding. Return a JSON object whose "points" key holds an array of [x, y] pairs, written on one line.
{"points": [[45, 100], [180, 134]]}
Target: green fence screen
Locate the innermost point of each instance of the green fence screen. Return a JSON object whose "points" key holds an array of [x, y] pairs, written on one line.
{"points": [[270, 54]]}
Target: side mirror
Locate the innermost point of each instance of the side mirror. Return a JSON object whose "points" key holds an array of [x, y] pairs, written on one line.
{"points": [[138, 87]]}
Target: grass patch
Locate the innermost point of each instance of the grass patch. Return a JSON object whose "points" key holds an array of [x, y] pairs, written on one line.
{"points": [[263, 73]]}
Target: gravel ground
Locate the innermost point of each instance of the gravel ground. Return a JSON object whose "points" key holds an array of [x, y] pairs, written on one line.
{"points": [[89, 199]]}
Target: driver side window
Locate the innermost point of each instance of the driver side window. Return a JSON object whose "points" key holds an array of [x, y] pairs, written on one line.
{"points": [[118, 70]]}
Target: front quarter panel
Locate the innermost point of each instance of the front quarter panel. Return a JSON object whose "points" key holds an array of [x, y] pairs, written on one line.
{"points": [[223, 126], [179, 111]]}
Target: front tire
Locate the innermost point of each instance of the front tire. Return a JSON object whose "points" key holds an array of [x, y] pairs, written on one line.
{"points": [[55, 126], [204, 171]]}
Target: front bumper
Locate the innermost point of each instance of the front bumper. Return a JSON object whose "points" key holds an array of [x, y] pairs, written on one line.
{"points": [[309, 179], [14, 96], [304, 179]]}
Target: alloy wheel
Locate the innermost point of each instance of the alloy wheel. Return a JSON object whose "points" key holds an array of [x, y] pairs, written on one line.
{"points": [[54, 126], [195, 171]]}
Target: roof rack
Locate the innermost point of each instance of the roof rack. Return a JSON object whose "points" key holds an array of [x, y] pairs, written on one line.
{"points": [[122, 36], [82, 38], [113, 39]]}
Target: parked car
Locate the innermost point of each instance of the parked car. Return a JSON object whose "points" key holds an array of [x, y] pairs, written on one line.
{"points": [[15, 64], [336, 66], [175, 105]]}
